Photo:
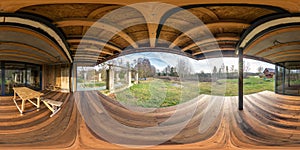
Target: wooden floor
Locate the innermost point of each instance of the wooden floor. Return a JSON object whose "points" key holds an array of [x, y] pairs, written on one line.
{"points": [[268, 121]]}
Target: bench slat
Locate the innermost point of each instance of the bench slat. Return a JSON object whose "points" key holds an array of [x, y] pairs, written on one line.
{"points": [[52, 102]]}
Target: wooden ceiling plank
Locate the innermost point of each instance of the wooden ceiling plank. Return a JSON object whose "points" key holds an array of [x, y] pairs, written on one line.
{"points": [[210, 40], [207, 28], [101, 25]]}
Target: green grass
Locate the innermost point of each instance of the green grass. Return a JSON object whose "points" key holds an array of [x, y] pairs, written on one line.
{"points": [[152, 93], [98, 84], [251, 85], [162, 93], [295, 82]]}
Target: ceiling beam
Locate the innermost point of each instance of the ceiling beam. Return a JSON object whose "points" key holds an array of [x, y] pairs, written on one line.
{"points": [[287, 58], [292, 6], [95, 24], [207, 28], [22, 53], [212, 50], [270, 34], [30, 47], [98, 11], [153, 14], [282, 53], [43, 25], [89, 41], [37, 35], [210, 40], [5, 56], [278, 46]]}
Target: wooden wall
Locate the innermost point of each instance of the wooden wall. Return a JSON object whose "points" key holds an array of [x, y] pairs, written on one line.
{"points": [[56, 77]]}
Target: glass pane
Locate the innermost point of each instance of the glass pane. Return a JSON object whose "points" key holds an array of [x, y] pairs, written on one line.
{"points": [[288, 78], [279, 81], [91, 78], [14, 76], [33, 76], [292, 82]]}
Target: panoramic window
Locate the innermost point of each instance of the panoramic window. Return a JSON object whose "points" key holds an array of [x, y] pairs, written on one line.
{"points": [[288, 78], [152, 79], [15, 74]]}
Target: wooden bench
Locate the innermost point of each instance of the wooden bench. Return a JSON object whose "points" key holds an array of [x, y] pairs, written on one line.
{"points": [[55, 105]]}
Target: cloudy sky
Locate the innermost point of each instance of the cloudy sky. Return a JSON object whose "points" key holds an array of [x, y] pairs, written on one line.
{"points": [[161, 60]]}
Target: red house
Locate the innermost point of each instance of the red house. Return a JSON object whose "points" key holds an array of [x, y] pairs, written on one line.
{"points": [[269, 72]]}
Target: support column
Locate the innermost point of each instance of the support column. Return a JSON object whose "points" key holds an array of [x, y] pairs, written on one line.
{"points": [[43, 84], [276, 78], [3, 78], [129, 77], [117, 76], [74, 77], [241, 78], [99, 77], [136, 78], [283, 84], [289, 77], [110, 79]]}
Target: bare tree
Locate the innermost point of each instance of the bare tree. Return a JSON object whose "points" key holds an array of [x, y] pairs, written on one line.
{"points": [[214, 75], [183, 67], [232, 68], [260, 69], [246, 66]]}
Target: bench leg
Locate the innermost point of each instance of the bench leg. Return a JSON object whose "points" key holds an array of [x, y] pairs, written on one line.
{"points": [[55, 111], [14, 95], [23, 106], [51, 109], [38, 102]]}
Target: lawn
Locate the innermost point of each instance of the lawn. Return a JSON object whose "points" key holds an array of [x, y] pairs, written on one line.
{"points": [[97, 84], [162, 93], [251, 85], [153, 93]]}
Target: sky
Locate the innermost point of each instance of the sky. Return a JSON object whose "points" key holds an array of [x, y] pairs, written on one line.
{"points": [[161, 60]]}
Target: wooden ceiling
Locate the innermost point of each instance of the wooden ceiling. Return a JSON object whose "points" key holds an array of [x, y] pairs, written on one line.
{"points": [[226, 24]]}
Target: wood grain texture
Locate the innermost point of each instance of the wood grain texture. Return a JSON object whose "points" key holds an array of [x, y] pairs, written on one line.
{"points": [[269, 121]]}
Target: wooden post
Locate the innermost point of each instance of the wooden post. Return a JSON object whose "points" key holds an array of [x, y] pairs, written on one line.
{"points": [[276, 78], [129, 77], [43, 77], [283, 84], [110, 79], [73, 77], [99, 77], [136, 78], [241, 78], [38, 102], [2, 78], [117, 76], [289, 77]]}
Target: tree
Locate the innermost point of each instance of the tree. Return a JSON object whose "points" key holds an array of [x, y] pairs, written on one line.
{"points": [[260, 69], [222, 68], [232, 68], [227, 71], [220, 73], [173, 72], [144, 68], [215, 70], [214, 75], [246, 66], [183, 68]]}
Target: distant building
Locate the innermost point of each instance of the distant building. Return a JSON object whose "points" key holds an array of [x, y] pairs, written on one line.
{"points": [[269, 72]]}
